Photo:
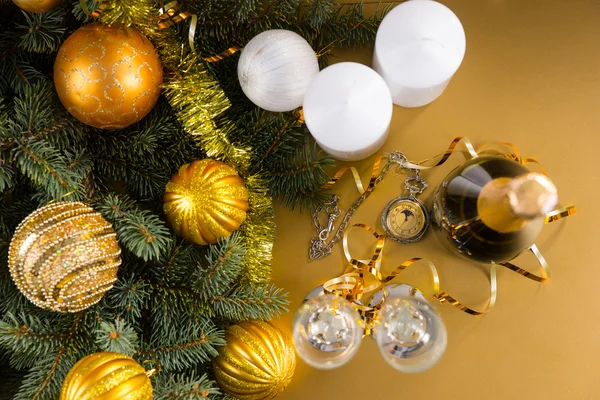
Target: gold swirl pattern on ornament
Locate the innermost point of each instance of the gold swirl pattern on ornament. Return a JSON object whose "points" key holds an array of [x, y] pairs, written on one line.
{"points": [[206, 200], [64, 257], [257, 363], [106, 376], [111, 91]]}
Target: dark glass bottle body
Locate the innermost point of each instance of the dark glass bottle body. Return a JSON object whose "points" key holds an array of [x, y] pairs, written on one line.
{"points": [[455, 212]]}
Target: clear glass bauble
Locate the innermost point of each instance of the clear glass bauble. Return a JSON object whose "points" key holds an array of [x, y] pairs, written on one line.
{"points": [[327, 331], [410, 334]]}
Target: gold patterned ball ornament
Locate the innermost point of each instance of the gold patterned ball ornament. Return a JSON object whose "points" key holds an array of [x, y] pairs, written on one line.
{"points": [[108, 76], [106, 376], [206, 200], [37, 6], [257, 363], [64, 257]]}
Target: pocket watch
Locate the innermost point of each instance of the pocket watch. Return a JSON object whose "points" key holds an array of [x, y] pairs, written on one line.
{"points": [[405, 219]]}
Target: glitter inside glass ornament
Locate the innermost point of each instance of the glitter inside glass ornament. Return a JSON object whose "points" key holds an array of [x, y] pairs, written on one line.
{"points": [[410, 334], [275, 69], [327, 331]]}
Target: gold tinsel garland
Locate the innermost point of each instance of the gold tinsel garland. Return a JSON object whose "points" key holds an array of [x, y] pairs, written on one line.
{"points": [[198, 99]]}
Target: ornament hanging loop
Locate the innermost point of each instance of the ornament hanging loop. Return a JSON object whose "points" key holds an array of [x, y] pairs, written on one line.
{"points": [[152, 371]]}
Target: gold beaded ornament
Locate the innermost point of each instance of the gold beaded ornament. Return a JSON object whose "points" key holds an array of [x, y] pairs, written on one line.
{"points": [[107, 376], [206, 200], [257, 363], [64, 257]]}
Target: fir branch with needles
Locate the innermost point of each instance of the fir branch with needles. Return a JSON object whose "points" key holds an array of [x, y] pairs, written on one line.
{"points": [[173, 300]]}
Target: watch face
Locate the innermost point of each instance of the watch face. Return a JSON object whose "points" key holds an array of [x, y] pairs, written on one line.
{"points": [[405, 219]]}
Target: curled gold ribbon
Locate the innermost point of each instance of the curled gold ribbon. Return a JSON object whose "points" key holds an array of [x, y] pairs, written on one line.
{"points": [[560, 214], [94, 14], [170, 15], [487, 149], [357, 180], [222, 55], [352, 285], [446, 298]]}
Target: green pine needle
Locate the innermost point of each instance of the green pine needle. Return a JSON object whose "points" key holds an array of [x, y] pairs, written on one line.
{"points": [[117, 337]]}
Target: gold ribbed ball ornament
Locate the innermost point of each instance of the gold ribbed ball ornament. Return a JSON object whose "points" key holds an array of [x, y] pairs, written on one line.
{"points": [[37, 6], [107, 376], [64, 257], [108, 76], [206, 200], [257, 363]]}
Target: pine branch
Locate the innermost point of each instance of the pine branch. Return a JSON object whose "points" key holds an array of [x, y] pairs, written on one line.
{"points": [[128, 297], [26, 337], [251, 302], [224, 265], [177, 264], [6, 176], [144, 154], [296, 180], [139, 231], [45, 378], [43, 31], [117, 337], [245, 8], [186, 345], [319, 12], [185, 387], [173, 307], [270, 135], [47, 168]]}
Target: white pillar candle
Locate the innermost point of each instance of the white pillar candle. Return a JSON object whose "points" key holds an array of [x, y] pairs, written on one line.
{"points": [[348, 109], [419, 46]]}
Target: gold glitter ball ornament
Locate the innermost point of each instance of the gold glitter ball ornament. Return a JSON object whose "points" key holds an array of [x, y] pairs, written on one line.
{"points": [[257, 363], [37, 6], [64, 257], [108, 76], [206, 200], [106, 376]]}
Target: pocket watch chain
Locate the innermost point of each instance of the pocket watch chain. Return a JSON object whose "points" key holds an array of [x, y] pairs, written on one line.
{"points": [[319, 246]]}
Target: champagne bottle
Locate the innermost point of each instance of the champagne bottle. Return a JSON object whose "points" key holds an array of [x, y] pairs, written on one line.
{"points": [[491, 208]]}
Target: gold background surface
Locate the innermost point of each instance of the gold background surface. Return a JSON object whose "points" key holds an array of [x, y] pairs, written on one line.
{"points": [[531, 76]]}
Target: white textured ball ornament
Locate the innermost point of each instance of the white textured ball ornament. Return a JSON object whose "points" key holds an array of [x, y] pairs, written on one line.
{"points": [[275, 69]]}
